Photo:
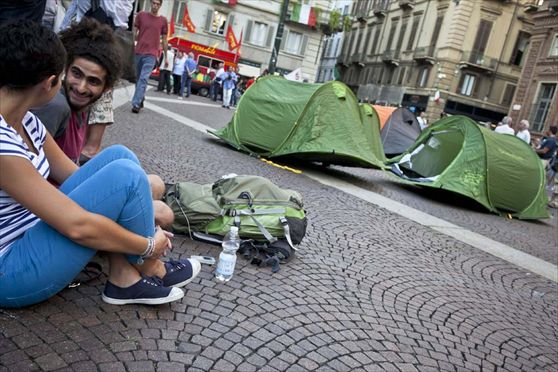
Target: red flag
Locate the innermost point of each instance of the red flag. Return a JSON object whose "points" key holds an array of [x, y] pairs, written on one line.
{"points": [[232, 2], [171, 29], [231, 39], [187, 22], [239, 45]]}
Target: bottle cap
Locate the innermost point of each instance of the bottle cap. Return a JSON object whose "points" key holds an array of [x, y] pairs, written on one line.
{"points": [[234, 229]]}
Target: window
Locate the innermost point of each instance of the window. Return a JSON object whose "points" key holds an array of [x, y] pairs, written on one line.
{"points": [[422, 78], [337, 43], [554, 47], [414, 30], [520, 48], [437, 28], [295, 42], [401, 76], [508, 94], [392, 32], [467, 84], [259, 33], [481, 39], [541, 108], [401, 35], [216, 22], [375, 42]]}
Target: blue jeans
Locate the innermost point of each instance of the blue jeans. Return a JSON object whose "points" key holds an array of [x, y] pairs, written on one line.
{"points": [[144, 66], [186, 82], [42, 261]]}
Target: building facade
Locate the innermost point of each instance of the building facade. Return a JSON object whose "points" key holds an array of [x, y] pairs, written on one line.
{"points": [[254, 24], [332, 45], [454, 56], [536, 96]]}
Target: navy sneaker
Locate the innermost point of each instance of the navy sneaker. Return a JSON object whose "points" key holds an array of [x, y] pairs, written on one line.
{"points": [[180, 272], [147, 291]]}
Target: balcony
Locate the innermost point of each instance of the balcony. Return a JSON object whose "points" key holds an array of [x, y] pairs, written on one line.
{"points": [[531, 6], [407, 4], [356, 58], [424, 55], [478, 61], [380, 8], [360, 16], [391, 57]]}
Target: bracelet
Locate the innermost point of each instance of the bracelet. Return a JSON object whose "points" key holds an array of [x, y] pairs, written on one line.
{"points": [[150, 248]]}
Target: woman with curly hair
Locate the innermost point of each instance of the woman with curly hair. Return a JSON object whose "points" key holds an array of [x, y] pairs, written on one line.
{"points": [[47, 235]]}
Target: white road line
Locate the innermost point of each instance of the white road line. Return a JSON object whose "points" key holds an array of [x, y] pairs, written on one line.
{"points": [[481, 242], [182, 102]]}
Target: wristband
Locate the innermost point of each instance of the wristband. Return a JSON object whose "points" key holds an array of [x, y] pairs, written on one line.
{"points": [[150, 248]]}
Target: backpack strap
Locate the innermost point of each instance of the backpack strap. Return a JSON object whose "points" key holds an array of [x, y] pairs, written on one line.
{"points": [[287, 230]]}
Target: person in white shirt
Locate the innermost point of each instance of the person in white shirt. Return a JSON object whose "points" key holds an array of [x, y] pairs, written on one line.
{"points": [[504, 127], [119, 11], [165, 70], [177, 71], [523, 132], [422, 121]]}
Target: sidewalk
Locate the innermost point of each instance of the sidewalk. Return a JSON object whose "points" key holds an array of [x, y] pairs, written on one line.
{"points": [[369, 290]]}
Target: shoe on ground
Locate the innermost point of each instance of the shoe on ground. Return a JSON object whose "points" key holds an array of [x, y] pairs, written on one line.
{"points": [[180, 97], [135, 110], [147, 291], [180, 272]]}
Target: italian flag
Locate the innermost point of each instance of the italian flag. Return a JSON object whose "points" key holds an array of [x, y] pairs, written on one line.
{"points": [[304, 14]]}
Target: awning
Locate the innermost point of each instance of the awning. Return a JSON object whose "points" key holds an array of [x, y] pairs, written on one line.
{"points": [[247, 70]]}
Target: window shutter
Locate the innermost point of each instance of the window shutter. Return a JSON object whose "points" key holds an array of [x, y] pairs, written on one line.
{"points": [[248, 34], [303, 44], [270, 36], [482, 36], [284, 39], [208, 18], [230, 22], [436, 31]]}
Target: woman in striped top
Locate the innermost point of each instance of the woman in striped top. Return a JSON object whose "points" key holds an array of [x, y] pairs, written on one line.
{"points": [[47, 235]]}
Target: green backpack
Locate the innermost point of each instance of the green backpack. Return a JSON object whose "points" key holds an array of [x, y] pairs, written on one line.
{"points": [[263, 211]]}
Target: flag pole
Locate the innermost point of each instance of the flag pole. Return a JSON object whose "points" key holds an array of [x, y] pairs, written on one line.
{"points": [[278, 37]]}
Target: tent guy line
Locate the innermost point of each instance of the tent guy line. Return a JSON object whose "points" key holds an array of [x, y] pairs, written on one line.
{"points": [[500, 250]]}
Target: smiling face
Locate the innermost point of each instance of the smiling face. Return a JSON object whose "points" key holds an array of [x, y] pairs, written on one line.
{"points": [[85, 82]]}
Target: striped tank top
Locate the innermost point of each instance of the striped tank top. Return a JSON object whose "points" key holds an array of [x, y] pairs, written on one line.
{"points": [[14, 218]]}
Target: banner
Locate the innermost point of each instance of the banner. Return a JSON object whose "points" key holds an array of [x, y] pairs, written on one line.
{"points": [[187, 22], [231, 39], [304, 14]]}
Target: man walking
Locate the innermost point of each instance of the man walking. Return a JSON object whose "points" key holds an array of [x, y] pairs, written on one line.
{"points": [[189, 69], [217, 83], [151, 30]]}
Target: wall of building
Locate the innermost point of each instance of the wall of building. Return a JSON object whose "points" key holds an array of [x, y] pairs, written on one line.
{"points": [[541, 68], [398, 68]]}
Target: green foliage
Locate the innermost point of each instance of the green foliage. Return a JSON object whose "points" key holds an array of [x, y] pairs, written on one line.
{"points": [[347, 23], [334, 19]]}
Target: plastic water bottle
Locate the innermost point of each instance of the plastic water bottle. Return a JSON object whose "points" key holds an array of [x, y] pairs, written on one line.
{"points": [[227, 258]]}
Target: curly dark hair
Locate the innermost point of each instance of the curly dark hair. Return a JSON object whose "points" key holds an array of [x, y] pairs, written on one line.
{"points": [[29, 54], [94, 41]]}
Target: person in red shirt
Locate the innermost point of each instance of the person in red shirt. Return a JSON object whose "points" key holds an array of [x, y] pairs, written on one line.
{"points": [[251, 81], [151, 30]]}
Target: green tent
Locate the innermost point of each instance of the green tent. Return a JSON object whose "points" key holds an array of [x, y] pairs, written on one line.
{"points": [[313, 122], [499, 171]]}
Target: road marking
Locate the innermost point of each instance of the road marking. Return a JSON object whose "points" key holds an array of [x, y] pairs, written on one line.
{"points": [[182, 102], [481, 242]]}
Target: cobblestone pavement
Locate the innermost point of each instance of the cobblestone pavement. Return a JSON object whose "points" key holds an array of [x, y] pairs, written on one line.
{"points": [[368, 290]]}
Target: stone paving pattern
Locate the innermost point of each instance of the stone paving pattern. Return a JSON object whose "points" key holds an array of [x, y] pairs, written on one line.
{"points": [[368, 291]]}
